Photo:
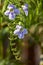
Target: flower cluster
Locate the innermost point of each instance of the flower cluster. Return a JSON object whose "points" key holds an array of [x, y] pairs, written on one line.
{"points": [[11, 13], [20, 31]]}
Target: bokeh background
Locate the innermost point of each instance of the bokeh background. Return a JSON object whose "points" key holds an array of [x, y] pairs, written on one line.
{"points": [[35, 28]]}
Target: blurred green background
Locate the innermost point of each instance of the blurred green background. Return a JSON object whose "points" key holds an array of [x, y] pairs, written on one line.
{"points": [[35, 28]]}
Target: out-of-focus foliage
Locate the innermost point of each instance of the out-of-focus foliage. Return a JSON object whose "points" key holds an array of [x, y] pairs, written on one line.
{"points": [[33, 22]]}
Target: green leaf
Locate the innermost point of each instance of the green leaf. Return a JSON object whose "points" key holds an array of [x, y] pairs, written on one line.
{"points": [[4, 6]]}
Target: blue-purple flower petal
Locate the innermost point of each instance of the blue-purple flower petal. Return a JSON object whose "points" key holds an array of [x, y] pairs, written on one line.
{"points": [[25, 31], [26, 5], [7, 12], [18, 27], [26, 13], [21, 35], [16, 32], [11, 16], [11, 6], [16, 11]]}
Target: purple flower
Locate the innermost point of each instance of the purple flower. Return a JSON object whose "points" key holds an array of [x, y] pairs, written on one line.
{"points": [[18, 27], [20, 31], [11, 6], [12, 11], [25, 8]]}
